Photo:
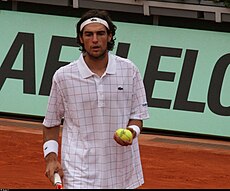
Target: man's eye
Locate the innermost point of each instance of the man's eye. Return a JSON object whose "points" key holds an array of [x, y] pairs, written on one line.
{"points": [[101, 33], [88, 34]]}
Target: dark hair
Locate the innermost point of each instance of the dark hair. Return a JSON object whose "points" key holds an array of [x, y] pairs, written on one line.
{"points": [[100, 14]]}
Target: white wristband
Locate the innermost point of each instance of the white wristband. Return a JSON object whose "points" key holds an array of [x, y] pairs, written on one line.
{"points": [[135, 128], [50, 146]]}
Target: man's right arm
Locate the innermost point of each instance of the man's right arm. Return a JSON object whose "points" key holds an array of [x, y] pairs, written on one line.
{"points": [[50, 142], [51, 133]]}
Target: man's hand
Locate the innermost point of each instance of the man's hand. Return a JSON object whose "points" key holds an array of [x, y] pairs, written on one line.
{"points": [[123, 142], [52, 166]]}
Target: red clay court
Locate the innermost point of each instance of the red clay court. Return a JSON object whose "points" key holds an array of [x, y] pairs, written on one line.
{"points": [[168, 162]]}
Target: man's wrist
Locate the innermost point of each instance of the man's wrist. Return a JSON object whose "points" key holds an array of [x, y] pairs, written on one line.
{"points": [[136, 129], [50, 146]]}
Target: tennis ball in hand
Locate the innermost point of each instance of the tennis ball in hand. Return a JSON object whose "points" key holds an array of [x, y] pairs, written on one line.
{"points": [[124, 134]]}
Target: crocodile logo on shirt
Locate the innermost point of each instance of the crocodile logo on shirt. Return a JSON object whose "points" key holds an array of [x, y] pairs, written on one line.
{"points": [[120, 88]]}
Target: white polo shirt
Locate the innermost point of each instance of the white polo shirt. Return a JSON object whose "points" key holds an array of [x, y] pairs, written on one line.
{"points": [[94, 108]]}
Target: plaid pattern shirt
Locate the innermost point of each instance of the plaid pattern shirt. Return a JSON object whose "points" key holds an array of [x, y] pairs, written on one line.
{"points": [[93, 108]]}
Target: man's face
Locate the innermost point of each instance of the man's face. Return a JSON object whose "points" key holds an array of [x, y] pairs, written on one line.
{"points": [[95, 39]]}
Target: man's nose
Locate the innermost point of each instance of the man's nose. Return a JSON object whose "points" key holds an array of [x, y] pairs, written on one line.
{"points": [[95, 38]]}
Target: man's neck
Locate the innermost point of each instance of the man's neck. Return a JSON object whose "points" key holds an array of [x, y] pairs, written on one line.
{"points": [[97, 65]]}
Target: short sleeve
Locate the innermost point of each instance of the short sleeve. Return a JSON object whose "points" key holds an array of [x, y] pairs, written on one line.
{"points": [[55, 107], [139, 101]]}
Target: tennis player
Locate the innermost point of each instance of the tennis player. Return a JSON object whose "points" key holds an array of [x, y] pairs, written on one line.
{"points": [[95, 95]]}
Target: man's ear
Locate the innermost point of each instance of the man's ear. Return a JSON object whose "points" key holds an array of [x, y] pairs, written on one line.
{"points": [[110, 36], [81, 40]]}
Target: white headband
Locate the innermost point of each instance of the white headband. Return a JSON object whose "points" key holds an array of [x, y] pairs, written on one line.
{"points": [[94, 20]]}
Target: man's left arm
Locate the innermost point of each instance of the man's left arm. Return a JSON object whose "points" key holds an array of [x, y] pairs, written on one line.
{"points": [[135, 126]]}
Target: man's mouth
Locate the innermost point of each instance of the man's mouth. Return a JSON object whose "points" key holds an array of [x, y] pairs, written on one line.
{"points": [[95, 47]]}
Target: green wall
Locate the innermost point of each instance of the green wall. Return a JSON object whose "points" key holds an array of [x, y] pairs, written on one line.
{"points": [[196, 60]]}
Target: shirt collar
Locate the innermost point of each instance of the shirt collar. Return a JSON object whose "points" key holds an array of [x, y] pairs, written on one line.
{"points": [[86, 72], [111, 67], [83, 68]]}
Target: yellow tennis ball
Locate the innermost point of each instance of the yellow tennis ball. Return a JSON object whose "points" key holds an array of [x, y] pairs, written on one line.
{"points": [[124, 134]]}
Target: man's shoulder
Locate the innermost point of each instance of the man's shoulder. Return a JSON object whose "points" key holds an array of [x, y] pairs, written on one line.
{"points": [[124, 63], [65, 69], [68, 66], [122, 60]]}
